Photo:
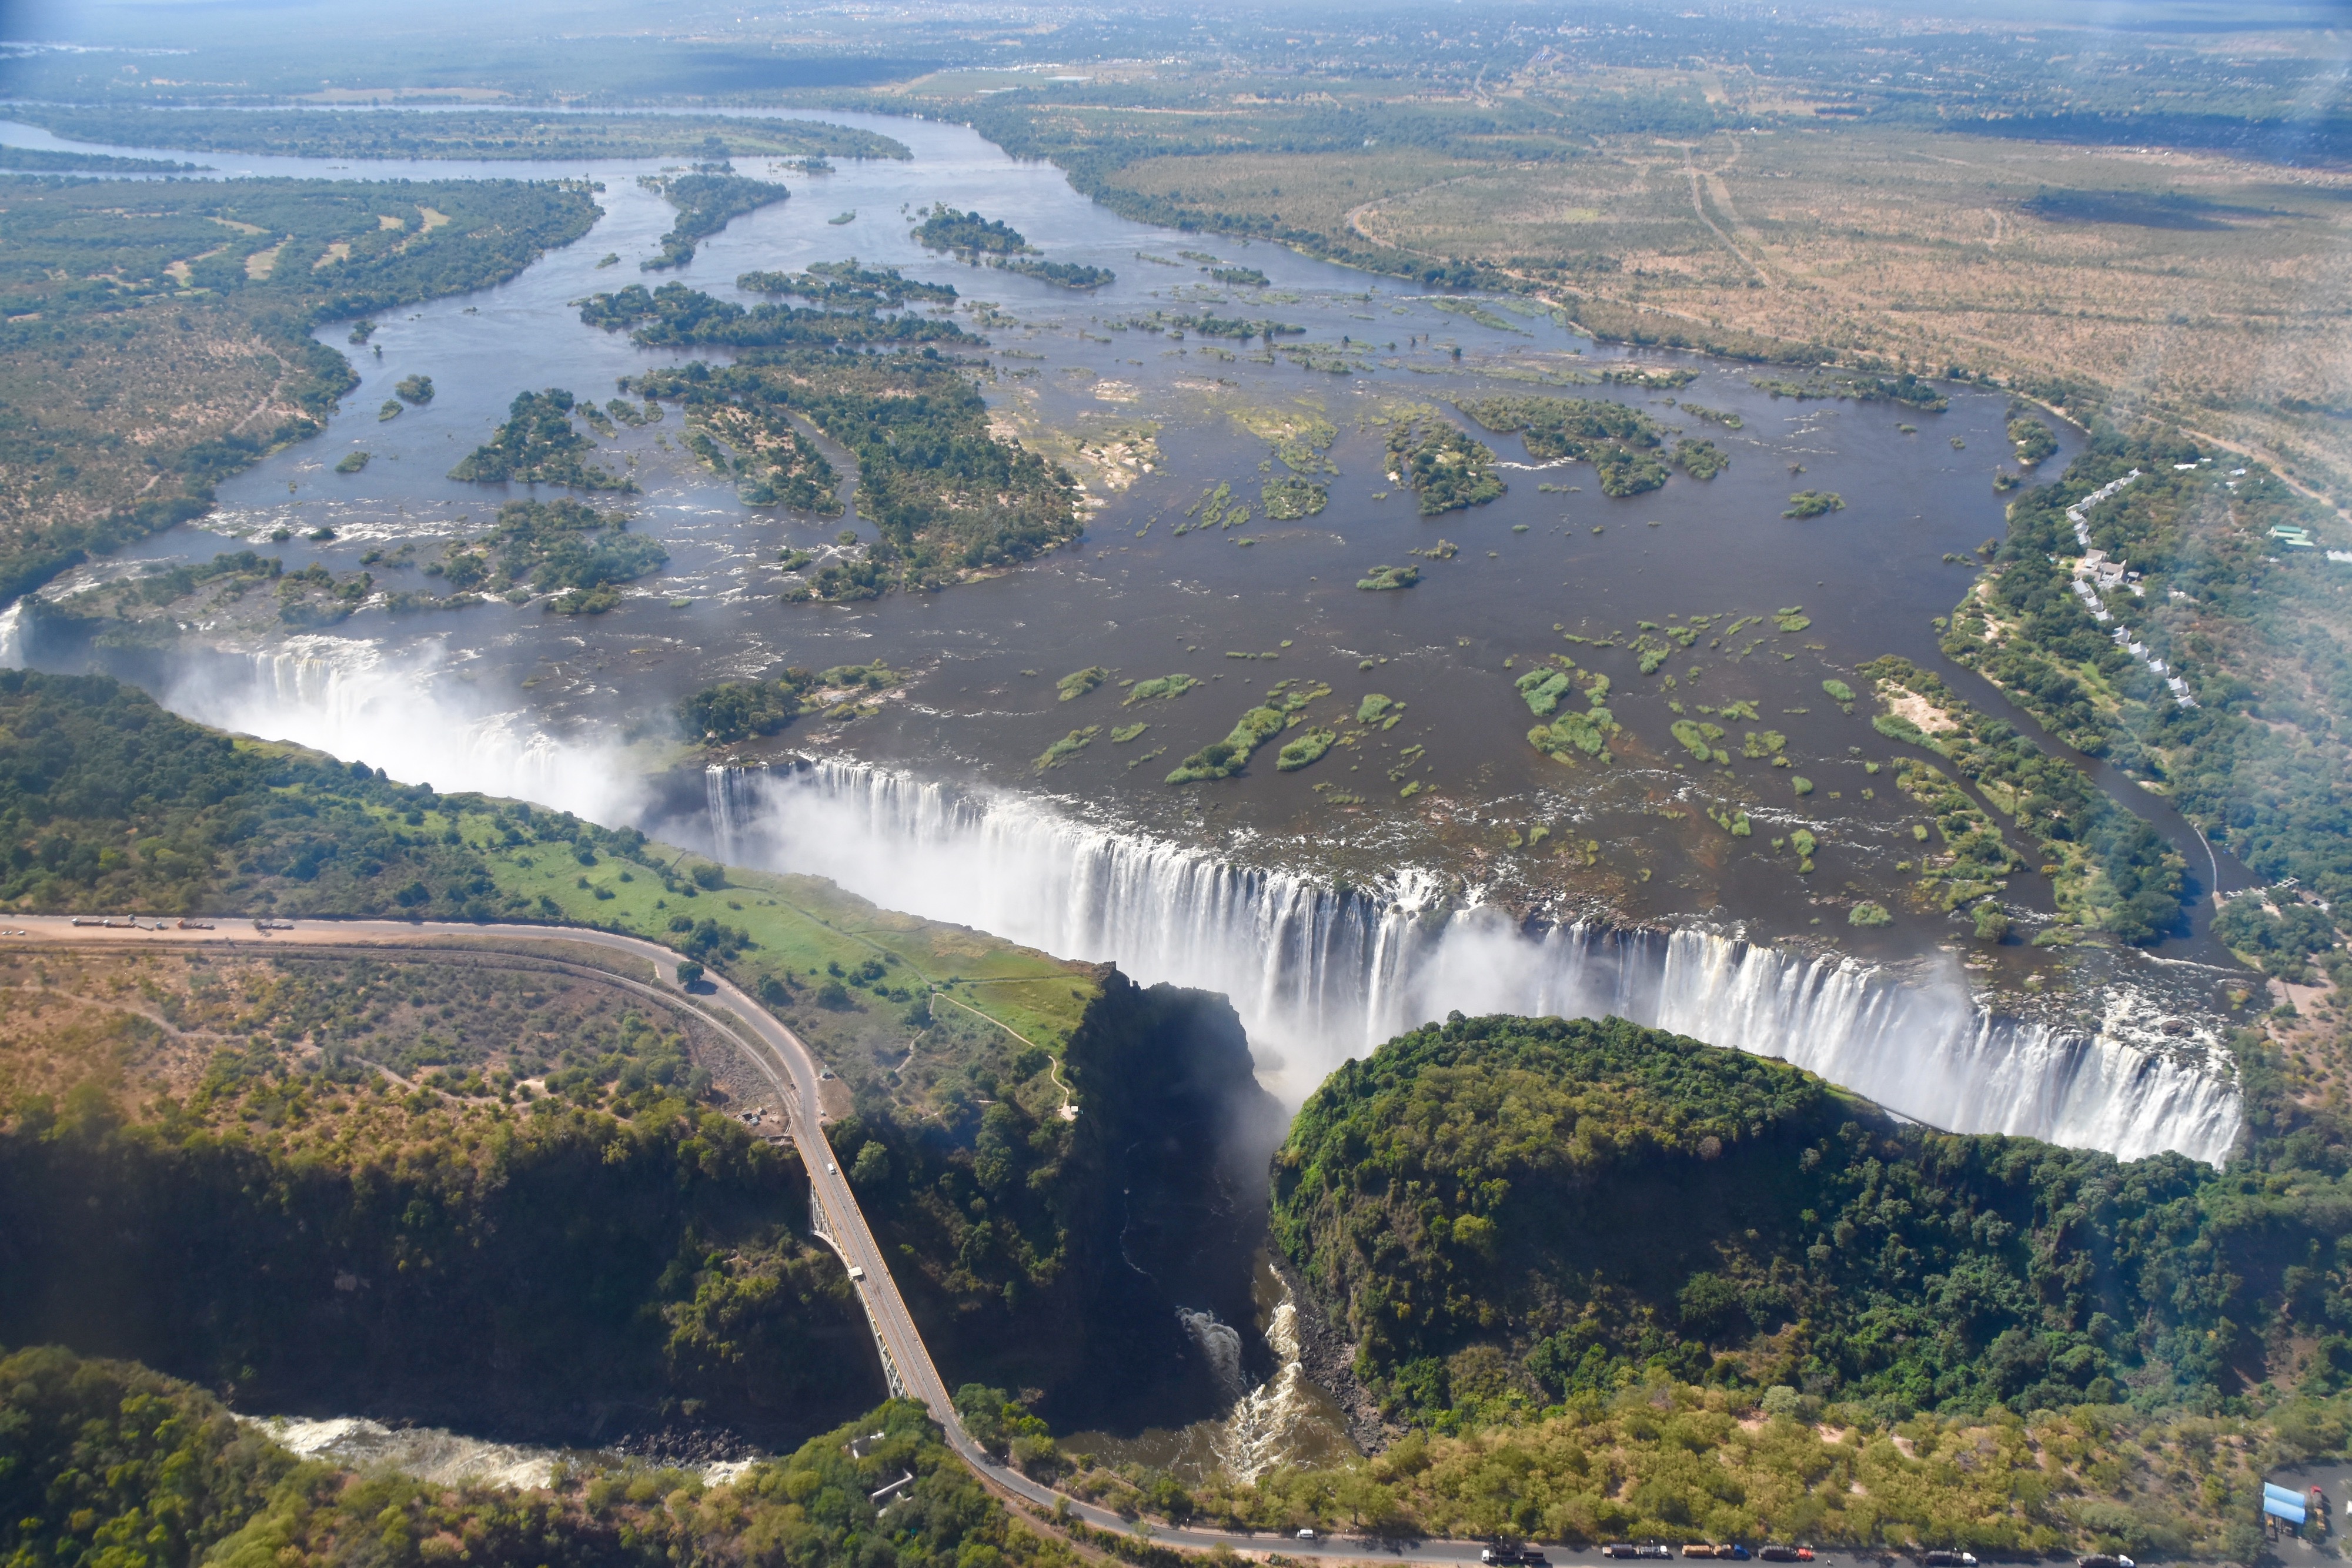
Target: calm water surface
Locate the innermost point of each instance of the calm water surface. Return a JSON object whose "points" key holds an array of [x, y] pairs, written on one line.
{"points": [[1552, 558]]}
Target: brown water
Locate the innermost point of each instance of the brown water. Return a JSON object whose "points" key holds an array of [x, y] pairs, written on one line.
{"points": [[577, 712], [1136, 597]]}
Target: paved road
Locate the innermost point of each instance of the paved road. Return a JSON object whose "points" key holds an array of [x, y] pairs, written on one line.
{"points": [[793, 1067]]}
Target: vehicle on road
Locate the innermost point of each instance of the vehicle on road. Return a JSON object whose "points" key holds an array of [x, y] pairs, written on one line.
{"points": [[1653, 1548], [831, 1169], [1947, 1560], [2102, 1559], [1787, 1554], [855, 1272], [1306, 1535]]}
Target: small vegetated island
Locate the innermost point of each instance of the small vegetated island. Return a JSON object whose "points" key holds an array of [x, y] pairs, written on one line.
{"points": [[1060, 274], [559, 548], [1570, 733], [1814, 504], [1446, 469], [837, 284], [2032, 436], [972, 237], [1205, 324], [1620, 443], [1225, 759], [742, 710], [1906, 389], [1382, 579], [949, 499], [538, 446], [1625, 1241], [677, 316], [1286, 500], [968, 233], [707, 200]]}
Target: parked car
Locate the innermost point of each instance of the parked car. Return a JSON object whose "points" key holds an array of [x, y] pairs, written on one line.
{"points": [[1947, 1560], [1620, 1549], [1307, 1535], [1653, 1548]]}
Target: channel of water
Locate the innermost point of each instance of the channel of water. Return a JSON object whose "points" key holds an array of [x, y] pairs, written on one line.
{"points": [[1334, 908]]}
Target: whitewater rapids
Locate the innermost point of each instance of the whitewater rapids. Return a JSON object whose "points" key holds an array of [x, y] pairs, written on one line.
{"points": [[1321, 974]]}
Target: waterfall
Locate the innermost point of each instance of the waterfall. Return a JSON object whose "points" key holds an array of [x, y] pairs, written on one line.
{"points": [[417, 717], [1320, 974]]}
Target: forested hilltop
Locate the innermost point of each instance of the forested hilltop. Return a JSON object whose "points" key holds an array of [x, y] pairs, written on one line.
{"points": [[1521, 1223]]}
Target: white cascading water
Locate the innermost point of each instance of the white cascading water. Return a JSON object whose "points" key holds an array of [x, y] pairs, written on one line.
{"points": [[1320, 974], [1259, 1429], [409, 716]]}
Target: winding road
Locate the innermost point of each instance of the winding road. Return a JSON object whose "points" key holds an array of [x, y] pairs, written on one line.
{"points": [[791, 1068]]}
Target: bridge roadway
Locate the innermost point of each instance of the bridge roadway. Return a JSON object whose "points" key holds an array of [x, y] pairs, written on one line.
{"points": [[791, 1067]]}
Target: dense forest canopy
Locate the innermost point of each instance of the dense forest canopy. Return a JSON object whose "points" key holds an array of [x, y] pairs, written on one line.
{"points": [[1508, 1213]]}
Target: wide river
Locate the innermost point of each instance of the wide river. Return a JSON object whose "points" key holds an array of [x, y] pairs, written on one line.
{"points": [[1324, 898]]}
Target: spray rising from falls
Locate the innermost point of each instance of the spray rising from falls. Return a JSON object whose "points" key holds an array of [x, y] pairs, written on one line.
{"points": [[1321, 974], [409, 715]]}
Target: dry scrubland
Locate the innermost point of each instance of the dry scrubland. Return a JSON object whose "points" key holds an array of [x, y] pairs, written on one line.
{"points": [[2209, 288], [2204, 288]]}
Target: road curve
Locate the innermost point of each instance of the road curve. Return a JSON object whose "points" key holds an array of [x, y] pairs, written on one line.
{"points": [[789, 1064]]}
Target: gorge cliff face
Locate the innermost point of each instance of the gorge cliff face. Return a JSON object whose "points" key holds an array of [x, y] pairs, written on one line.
{"points": [[570, 1276], [1050, 1255]]}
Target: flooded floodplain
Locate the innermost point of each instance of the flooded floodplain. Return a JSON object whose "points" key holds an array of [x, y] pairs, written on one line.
{"points": [[1241, 503]]}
